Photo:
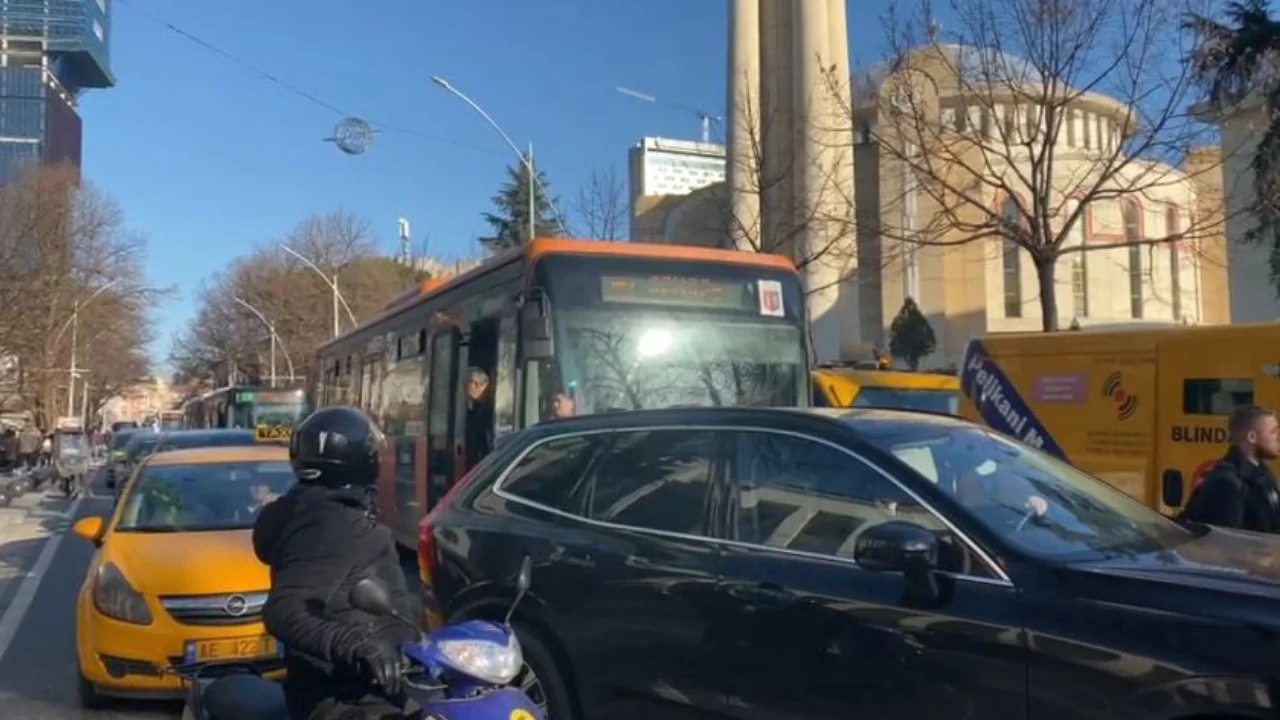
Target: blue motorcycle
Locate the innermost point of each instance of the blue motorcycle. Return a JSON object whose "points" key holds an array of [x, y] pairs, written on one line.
{"points": [[459, 672]]}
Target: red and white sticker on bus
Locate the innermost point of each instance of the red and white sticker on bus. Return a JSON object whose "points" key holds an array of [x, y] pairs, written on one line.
{"points": [[771, 298]]}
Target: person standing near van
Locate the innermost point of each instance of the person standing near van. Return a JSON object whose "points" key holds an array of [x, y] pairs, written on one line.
{"points": [[1240, 491]]}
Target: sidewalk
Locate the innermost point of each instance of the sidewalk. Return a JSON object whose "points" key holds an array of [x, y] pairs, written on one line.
{"points": [[25, 525]]}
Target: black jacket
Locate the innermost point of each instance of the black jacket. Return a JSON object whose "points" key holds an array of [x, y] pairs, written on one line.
{"points": [[1237, 494], [479, 431], [318, 543]]}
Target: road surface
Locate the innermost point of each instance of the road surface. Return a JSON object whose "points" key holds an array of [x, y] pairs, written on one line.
{"points": [[42, 565]]}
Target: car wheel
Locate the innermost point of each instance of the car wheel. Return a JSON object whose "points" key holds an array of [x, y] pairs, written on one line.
{"points": [[90, 698], [542, 679]]}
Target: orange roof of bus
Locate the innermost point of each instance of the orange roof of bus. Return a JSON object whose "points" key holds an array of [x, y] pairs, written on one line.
{"points": [[541, 247]]}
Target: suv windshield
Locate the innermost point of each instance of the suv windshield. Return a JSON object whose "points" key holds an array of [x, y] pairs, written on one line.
{"points": [[141, 447], [1035, 503], [120, 439], [194, 498]]}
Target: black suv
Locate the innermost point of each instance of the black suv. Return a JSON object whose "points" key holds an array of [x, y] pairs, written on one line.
{"points": [[835, 564]]}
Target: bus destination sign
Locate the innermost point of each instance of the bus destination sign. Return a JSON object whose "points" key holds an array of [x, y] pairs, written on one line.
{"points": [[673, 290]]}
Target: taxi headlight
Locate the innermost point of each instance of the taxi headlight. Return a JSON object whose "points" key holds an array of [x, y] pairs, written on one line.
{"points": [[483, 660], [114, 597]]}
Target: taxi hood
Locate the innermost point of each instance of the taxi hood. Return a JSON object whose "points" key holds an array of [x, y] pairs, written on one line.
{"points": [[188, 563]]}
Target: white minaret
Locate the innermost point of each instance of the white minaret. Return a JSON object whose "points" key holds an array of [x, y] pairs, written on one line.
{"points": [[795, 59]]}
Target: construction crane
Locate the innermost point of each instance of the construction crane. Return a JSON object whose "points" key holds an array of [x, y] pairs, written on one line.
{"points": [[706, 118]]}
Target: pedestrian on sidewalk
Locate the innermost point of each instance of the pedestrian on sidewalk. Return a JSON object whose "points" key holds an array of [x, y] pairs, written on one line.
{"points": [[46, 450], [1240, 492], [29, 447]]}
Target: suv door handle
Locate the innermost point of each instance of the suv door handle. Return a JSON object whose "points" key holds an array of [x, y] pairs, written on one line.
{"points": [[765, 595]]}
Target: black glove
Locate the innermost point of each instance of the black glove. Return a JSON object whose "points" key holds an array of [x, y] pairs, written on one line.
{"points": [[380, 664]]}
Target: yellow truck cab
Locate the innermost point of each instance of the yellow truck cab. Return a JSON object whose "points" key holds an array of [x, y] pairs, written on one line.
{"points": [[858, 384], [1143, 409]]}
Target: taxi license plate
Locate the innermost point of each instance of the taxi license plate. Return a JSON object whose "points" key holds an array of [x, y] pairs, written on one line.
{"points": [[241, 648], [273, 434]]}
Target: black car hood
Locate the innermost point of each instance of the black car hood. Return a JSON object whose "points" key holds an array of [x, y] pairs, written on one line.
{"points": [[1223, 560]]}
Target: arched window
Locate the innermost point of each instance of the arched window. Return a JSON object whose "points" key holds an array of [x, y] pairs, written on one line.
{"points": [[1011, 262], [1133, 236], [1172, 226]]}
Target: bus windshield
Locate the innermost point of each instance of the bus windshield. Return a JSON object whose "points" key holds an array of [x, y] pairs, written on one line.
{"points": [[278, 412], [652, 360], [639, 334]]}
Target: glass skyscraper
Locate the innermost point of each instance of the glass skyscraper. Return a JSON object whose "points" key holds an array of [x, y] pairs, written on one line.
{"points": [[51, 51]]}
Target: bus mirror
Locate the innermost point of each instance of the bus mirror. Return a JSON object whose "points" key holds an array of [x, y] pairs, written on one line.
{"points": [[535, 330], [1171, 488]]}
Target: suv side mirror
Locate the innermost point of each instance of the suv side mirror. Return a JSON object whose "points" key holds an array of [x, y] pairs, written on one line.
{"points": [[907, 548], [897, 547], [1171, 488]]}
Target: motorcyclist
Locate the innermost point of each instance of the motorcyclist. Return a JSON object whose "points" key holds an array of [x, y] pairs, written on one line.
{"points": [[319, 539]]}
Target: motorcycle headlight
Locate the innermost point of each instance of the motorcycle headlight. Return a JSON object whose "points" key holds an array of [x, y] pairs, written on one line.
{"points": [[116, 598], [487, 661]]}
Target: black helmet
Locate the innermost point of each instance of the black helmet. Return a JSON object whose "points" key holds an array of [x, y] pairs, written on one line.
{"points": [[337, 447]]}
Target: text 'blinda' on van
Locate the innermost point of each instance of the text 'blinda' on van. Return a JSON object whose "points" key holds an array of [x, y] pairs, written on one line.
{"points": [[1143, 409]]}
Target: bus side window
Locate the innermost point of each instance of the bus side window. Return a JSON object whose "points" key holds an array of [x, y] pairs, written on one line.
{"points": [[1215, 396]]}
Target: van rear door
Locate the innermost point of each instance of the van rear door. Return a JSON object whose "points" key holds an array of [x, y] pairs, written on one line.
{"points": [[1199, 386]]}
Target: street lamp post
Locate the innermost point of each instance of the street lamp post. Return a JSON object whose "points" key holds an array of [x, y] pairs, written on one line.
{"points": [[333, 285], [525, 158], [275, 339], [74, 323]]}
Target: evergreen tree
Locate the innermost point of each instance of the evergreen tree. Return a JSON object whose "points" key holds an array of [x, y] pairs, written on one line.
{"points": [[510, 218], [1233, 60], [911, 336]]}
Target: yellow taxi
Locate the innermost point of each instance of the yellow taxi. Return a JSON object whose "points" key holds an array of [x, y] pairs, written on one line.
{"points": [[175, 580], [873, 385]]}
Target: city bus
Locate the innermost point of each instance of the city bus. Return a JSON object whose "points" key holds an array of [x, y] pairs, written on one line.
{"points": [[170, 420], [272, 413], [564, 324]]}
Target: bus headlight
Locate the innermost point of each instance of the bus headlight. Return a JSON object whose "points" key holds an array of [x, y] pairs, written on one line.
{"points": [[484, 660]]}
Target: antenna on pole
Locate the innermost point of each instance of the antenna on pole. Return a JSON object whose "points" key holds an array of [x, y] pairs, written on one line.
{"points": [[705, 118], [402, 226]]}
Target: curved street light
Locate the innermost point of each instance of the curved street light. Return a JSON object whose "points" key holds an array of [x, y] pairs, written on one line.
{"points": [[333, 285], [525, 158], [275, 339], [73, 322]]}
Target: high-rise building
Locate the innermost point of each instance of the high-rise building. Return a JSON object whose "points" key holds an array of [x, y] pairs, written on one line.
{"points": [[51, 51], [660, 167]]}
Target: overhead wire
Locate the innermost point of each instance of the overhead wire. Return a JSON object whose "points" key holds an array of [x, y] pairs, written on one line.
{"points": [[298, 91]]}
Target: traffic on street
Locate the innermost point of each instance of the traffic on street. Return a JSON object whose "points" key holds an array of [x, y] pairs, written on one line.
{"points": [[930, 371]]}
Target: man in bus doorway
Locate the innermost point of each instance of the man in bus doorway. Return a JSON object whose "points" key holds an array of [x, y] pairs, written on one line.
{"points": [[1240, 491], [479, 429]]}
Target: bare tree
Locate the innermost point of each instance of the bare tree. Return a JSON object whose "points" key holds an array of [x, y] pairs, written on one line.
{"points": [[601, 207], [1032, 118], [227, 341], [62, 241], [768, 178]]}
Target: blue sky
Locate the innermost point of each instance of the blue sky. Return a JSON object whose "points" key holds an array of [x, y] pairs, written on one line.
{"points": [[207, 158]]}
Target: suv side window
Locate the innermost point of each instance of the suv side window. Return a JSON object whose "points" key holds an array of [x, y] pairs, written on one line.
{"points": [[551, 474], [655, 479], [799, 494]]}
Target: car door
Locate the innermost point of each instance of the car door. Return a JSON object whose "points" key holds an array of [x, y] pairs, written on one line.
{"points": [[808, 633], [631, 573]]}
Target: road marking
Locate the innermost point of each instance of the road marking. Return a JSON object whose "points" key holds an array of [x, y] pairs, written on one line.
{"points": [[17, 610]]}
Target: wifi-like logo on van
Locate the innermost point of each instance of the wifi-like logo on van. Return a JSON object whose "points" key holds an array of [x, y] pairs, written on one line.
{"points": [[1126, 402]]}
